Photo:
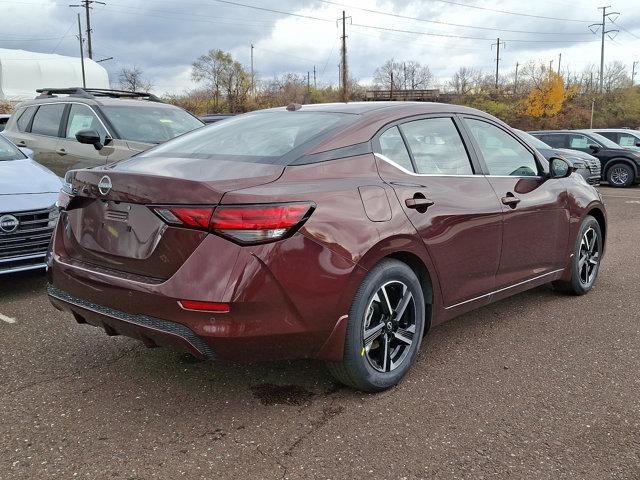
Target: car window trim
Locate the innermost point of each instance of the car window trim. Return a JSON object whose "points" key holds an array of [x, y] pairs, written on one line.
{"points": [[473, 160], [67, 106], [65, 123], [526, 146], [36, 113]]}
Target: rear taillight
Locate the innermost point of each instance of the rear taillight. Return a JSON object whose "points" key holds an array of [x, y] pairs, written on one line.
{"points": [[245, 224]]}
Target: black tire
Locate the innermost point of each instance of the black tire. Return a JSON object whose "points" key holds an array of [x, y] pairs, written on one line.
{"points": [[584, 271], [620, 175], [368, 363]]}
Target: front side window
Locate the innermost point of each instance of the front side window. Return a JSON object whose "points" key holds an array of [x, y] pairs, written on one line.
{"points": [[81, 117], [149, 123], [392, 146], [47, 119], [502, 153], [579, 142], [257, 137], [25, 117], [437, 147]]}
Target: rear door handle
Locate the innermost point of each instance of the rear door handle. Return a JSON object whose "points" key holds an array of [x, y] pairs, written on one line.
{"points": [[418, 203], [61, 151], [511, 200], [22, 143]]}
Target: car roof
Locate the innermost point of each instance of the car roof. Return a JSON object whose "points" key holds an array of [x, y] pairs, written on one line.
{"points": [[101, 101], [625, 130], [363, 108]]}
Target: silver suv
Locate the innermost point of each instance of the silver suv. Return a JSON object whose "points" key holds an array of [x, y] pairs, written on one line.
{"points": [[70, 128]]}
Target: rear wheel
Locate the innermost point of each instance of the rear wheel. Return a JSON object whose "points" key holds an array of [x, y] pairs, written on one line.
{"points": [[620, 175], [585, 263], [385, 329]]}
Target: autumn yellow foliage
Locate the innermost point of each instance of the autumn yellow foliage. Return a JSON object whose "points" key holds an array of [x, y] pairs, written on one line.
{"points": [[547, 99]]}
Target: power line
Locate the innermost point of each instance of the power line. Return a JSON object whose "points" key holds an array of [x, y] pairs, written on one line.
{"points": [[439, 22]]}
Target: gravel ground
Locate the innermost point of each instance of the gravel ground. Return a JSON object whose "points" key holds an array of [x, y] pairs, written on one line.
{"points": [[533, 387]]}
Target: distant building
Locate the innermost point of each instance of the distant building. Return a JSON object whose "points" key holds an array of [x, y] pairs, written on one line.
{"points": [[21, 72]]}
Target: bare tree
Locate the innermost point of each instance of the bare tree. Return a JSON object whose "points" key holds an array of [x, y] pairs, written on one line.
{"points": [[133, 79], [411, 75], [465, 80], [615, 76]]}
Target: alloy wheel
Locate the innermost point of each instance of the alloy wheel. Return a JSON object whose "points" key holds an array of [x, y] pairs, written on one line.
{"points": [[589, 256], [389, 327], [619, 175]]}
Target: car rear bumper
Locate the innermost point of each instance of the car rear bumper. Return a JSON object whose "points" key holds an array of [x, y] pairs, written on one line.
{"points": [[287, 300]]}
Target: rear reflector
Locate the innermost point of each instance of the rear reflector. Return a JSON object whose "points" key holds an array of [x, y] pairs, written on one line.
{"points": [[204, 306], [244, 224]]}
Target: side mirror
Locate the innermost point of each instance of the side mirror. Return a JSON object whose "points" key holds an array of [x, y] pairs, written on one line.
{"points": [[637, 144], [594, 148], [90, 137], [560, 168]]}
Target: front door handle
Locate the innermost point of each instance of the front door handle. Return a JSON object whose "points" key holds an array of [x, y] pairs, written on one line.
{"points": [[61, 151], [510, 200], [22, 143], [418, 203]]}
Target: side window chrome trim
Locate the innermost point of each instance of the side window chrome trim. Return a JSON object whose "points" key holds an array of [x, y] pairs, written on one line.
{"points": [[71, 103], [404, 170]]}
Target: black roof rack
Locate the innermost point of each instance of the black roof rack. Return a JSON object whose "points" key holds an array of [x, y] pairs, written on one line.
{"points": [[94, 92]]}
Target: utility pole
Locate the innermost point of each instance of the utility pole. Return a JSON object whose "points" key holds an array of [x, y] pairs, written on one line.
{"points": [[593, 106], [344, 72], [84, 80], [633, 72], [253, 92], [603, 31], [559, 62], [497, 44], [315, 85], [515, 82], [308, 81], [87, 8]]}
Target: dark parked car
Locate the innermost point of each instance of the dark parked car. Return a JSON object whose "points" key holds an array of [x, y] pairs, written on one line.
{"points": [[28, 192], [339, 232], [70, 128], [586, 165], [625, 137], [620, 166]]}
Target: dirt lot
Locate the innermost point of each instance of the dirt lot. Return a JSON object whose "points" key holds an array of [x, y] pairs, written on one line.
{"points": [[536, 386]]}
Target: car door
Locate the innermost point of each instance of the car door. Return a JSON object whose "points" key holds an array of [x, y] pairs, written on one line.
{"points": [[44, 135], [73, 154], [454, 209], [535, 210]]}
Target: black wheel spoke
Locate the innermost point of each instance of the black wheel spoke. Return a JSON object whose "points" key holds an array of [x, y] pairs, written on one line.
{"points": [[372, 333], [404, 303], [405, 335]]}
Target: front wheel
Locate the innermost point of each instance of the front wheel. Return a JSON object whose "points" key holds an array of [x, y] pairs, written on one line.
{"points": [[385, 329], [585, 262]]}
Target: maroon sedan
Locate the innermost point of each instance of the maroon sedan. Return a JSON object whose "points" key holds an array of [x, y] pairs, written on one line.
{"points": [[338, 232]]}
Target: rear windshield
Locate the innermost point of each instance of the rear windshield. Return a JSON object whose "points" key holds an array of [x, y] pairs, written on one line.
{"points": [[149, 124], [8, 151], [257, 137]]}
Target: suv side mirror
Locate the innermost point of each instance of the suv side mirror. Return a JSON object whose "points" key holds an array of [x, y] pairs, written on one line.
{"points": [[90, 137], [560, 168], [637, 144], [594, 148]]}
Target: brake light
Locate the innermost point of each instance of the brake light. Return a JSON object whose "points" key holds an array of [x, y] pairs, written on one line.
{"points": [[245, 224], [259, 223], [194, 217]]}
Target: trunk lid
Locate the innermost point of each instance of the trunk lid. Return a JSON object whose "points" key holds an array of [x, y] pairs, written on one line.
{"points": [[109, 224]]}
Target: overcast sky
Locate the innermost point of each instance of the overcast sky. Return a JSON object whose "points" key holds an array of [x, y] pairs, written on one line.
{"points": [[163, 37]]}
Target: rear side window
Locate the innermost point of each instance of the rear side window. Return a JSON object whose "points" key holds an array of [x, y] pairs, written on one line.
{"points": [[555, 141], [25, 118], [579, 141], [392, 146], [437, 147], [258, 137], [502, 153], [47, 119]]}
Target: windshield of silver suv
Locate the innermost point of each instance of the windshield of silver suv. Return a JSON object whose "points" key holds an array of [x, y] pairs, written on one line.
{"points": [[149, 124]]}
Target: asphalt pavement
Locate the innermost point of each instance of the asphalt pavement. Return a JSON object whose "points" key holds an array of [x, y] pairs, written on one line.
{"points": [[538, 386]]}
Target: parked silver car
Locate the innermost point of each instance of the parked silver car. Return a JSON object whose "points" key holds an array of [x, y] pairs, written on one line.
{"points": [[28, 192]]}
